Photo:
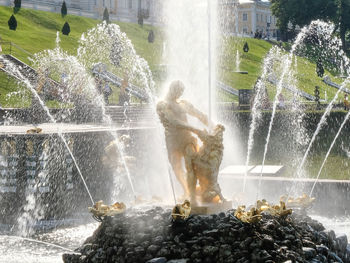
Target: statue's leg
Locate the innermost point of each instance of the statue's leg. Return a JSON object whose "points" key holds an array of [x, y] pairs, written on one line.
{"points": [[190, 152], [175, 159]]}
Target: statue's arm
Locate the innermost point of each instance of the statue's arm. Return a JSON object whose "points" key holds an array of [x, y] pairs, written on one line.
{"points": [[191, 110], [168, 118], [184, 125]]}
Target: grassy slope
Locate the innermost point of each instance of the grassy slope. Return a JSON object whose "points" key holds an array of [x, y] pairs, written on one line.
{"points": [[252, 62], [36, 31]]}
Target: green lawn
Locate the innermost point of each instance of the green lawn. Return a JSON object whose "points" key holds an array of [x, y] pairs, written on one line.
{"points": [[336, 166]]}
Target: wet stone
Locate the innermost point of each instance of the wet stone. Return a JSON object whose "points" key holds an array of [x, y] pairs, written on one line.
{"points": [[158, 240], [309, 252], [342, 241], [196, 255], [139, 250], [334, 257], [157, 260], [152, 249], [183, 260], [267, 242], [210, 250], [212, 233], [308, 243], [322, 249]]}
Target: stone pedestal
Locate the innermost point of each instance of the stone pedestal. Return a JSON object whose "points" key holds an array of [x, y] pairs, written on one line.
{"points": [[211, 208]]}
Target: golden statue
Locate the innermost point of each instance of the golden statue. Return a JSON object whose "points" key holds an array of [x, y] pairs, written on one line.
{"points": [[100, 210], [181, 211], [4, 150], [252, 216], [34, 130], [262, 206], [201, 163], [302, 202], [30, 147], [111, 157]]}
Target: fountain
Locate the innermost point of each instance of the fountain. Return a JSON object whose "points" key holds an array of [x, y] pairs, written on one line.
{"points": [[160, 234], [238, 61], [140, 164]]}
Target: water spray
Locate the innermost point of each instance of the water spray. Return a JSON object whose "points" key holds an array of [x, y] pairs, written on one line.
{"points": [[209, 60], [43, 243], [329, 151]]}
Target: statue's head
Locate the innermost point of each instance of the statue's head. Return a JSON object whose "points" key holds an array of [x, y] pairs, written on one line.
{"points": [[175, 91], [186, 204], [219, 130]]}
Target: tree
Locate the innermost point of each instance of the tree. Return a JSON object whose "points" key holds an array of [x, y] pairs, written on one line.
{"points": [[17, 6], [317, 97], [301, 13], [140, 18], [245, 47], [151, 36], [342, 19], [66, 29], [64, 9], [319, 68], [106, 15], [280, 10], [12, 23]]}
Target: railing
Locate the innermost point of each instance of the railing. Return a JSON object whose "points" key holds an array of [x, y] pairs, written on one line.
{"points": [[329, 82], [15, 50]]}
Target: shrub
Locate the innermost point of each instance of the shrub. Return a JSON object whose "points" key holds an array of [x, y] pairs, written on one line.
{"points": [[151, 36], [106, 15], [17, 6], [64, 9], [245, 47], [12, 23], [319, 68], [66, 29], [140, 19], [141, 15]]}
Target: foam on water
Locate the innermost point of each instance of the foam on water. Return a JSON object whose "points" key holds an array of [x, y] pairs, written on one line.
{"points": [[14, 249], [340, 225]]}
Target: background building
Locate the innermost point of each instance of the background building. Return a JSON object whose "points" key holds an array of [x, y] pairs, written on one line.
{"points": [[255, 16], [242, 17], [124, 10]]}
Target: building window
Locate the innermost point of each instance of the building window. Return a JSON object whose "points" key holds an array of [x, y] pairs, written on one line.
{"points": [[245, 17], [266, 18], [257, 18], [130, 4], [104, 3]]}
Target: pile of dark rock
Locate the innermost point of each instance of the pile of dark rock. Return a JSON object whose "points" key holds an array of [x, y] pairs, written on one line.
{"points": [[152, 236]]}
